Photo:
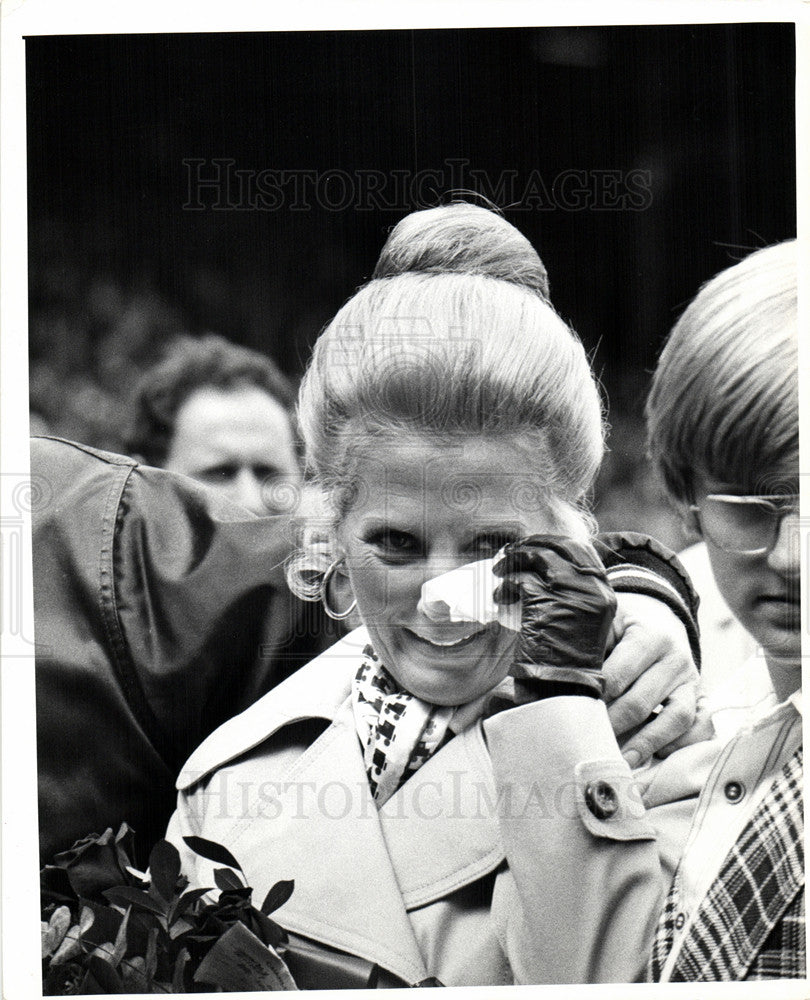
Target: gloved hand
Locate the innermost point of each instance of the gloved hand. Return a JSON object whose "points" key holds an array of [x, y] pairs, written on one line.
{"points": [[567, 613]]}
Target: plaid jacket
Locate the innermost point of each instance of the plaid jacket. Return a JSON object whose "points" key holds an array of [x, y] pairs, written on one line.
{"points": [[751, 923]]}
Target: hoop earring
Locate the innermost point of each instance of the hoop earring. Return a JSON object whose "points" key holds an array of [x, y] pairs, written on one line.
{"points": [[337, 616]]}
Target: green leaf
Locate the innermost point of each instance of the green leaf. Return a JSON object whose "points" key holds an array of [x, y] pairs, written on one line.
{"points": [[125, 895], [70, 947], [86, 919], [188, 899], [264, 928], [225, 879], [132, 972], [272, 933], [213, 851], [180, 927], [120, 944], [125, 846], [164, 868], [178, 978], [104, 975], [104, 951], [278, 895], [53, 933], [151, 955], [104, 923]]}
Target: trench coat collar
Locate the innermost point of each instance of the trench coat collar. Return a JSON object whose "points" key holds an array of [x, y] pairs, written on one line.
{"points": [[438, 833], [316, 691], [430, 838]]}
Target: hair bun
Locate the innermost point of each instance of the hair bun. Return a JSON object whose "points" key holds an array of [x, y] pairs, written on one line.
{"points": [[461, 238]]}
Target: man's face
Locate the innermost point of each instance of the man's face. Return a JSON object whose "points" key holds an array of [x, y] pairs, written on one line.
{"points": [[240, 443], [762, 588]]}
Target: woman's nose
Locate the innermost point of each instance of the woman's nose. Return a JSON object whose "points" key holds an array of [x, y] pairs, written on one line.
{"points": [[441, 562], [463, 593], [434, 611], [435, 565], [784, 557]]}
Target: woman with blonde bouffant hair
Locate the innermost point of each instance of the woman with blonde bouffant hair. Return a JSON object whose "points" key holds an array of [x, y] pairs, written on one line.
{"points": [[444, 784]]}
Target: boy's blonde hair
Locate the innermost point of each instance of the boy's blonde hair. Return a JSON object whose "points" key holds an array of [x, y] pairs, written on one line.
{"points": [[724, 397]]}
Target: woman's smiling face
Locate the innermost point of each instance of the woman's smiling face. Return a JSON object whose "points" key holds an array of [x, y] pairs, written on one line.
{"points": [[423, 508]]}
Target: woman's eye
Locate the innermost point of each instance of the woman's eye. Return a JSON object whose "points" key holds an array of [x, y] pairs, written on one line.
{"points": [[395, 543]]}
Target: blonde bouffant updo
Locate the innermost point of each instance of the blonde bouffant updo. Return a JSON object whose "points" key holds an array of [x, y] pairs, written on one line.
{"points": [[462, 239], [453, 336]]}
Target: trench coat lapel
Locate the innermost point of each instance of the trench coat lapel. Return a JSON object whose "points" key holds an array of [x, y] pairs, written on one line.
{"points": [[329, 835], [317, 691], [441, 826], [356, 869]]}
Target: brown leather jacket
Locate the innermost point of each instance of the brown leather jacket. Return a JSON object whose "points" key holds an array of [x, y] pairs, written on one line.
{"points": [[159, 613]]}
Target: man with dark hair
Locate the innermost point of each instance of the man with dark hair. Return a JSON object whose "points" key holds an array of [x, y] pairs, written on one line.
{"points": [[221, 414]]}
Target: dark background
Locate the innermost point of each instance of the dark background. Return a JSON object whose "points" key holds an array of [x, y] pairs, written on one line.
{"points": [[117, 262]]}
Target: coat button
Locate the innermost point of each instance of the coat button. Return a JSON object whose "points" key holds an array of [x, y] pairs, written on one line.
{"points": [[734, 791], [680, 920], [601, 799]]}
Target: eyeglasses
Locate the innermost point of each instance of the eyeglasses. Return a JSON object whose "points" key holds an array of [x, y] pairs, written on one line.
{"points": [[748, 525]]}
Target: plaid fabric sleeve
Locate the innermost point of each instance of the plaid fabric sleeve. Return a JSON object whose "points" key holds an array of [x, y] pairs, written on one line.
{"points": [[783, 953], [751, 923]]}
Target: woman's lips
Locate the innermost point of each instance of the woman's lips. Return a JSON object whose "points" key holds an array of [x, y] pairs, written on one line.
{"points": [[446, 639]]}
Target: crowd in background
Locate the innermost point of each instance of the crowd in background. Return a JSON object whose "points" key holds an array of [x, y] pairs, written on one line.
{"points": [[92, 339], [639, 160]]}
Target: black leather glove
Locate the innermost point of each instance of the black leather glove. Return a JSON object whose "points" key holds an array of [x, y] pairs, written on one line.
{"points": [[567, 611]]}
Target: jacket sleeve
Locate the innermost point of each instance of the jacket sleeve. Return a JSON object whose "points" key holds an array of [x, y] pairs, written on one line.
{"points": [[199, 610], [159, 613], [580, 898], [639, 564]]}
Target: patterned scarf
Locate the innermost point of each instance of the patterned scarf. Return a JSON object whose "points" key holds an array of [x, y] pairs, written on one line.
{"points": [[397, 730]]}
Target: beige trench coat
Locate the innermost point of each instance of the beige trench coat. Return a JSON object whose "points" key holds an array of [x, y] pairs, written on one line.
{"points": [[502, 860]]}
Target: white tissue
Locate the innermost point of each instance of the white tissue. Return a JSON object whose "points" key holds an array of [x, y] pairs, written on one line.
{"points": [[465, 595]]}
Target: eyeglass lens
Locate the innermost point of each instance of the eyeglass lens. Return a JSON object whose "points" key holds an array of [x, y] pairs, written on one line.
{"points": [[744, 524]]}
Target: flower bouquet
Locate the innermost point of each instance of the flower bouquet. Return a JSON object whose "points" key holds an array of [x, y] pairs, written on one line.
{"points": [[109, 928]]}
